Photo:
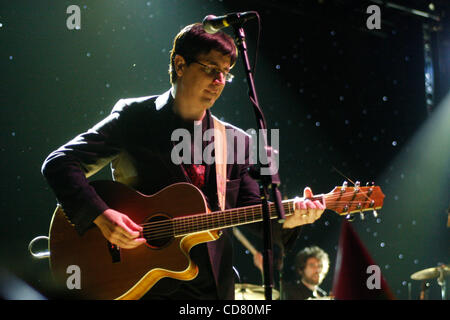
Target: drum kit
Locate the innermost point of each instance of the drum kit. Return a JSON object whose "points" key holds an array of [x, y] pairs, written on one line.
{"points": [[246, 291], [439, 273]]}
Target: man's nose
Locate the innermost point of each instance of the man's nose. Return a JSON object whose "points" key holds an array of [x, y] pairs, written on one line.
{"points": [[219, 78]]}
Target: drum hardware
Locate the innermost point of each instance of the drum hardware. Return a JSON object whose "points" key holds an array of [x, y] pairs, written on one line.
{"points": [[246, 291], [439, 273]]}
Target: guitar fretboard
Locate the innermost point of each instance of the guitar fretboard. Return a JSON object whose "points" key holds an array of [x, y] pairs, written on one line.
{"points": [[341, 201], [225, 219]]}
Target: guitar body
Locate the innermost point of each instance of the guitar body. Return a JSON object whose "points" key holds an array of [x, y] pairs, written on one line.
{"points": [[106, 272], [174, 220]]}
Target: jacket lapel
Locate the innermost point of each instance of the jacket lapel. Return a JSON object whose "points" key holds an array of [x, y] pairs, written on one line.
{"points": [[163, 105], [220, 151]]}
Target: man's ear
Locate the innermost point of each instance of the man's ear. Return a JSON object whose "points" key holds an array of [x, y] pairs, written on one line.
{"points": [[179, 64]]}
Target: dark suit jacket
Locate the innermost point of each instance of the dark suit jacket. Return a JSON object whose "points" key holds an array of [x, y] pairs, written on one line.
{"points": [[136, 140]]}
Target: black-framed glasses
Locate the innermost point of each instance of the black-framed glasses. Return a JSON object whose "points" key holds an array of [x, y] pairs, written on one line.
{"points": [[214, 71]]}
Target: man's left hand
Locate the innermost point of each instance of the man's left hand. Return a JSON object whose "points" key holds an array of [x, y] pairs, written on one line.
{"points": [[306, 211]]}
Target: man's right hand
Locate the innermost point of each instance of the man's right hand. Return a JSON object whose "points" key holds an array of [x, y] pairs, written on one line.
{"points": [[119, 229]]}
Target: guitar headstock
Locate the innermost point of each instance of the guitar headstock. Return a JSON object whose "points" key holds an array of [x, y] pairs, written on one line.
{"points": [[347, 200]]}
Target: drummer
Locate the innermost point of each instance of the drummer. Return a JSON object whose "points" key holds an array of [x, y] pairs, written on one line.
{"points": [[311, 265]]}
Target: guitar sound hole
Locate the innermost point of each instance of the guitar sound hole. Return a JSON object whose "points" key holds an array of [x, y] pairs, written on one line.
{"points": [[158, 231]]}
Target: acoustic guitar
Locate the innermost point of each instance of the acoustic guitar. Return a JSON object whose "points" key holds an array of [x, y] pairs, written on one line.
{"points": [[174, 220]]}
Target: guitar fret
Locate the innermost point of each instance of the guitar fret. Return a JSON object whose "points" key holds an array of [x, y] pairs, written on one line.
{"points": [[208, 220], [175, 231], [193, 225], [227, 218], [186, 225], [211, 220], [223, 216], [214, 220], [217, 220], [174, 224]]}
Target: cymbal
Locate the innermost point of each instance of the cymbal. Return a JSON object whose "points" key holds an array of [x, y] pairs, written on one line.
{"points": [[322, 298], [431, 273], [246, 291]]}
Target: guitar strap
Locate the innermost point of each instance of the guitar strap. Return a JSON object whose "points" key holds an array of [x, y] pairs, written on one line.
{"points": [[220, 149]]}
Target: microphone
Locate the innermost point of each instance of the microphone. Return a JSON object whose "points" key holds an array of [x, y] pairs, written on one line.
{"points": [[212, 24]]}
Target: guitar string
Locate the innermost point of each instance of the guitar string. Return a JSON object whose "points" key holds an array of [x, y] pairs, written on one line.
{"points": [[171, 230], [244, 211], [198, 227], [218, 217], [208, 222], [328, 206]]}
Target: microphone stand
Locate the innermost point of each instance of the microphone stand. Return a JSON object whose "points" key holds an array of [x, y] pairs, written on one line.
{"points": [[269, 181]]}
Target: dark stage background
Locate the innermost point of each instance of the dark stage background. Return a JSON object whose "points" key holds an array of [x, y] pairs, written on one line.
{"points": [[343, 97]]}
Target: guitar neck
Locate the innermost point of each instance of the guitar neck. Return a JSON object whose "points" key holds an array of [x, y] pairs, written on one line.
{"points": [[342, 200], [229, 218]]}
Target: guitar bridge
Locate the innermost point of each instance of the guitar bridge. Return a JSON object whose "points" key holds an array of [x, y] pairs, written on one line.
{"points": [[114, 251]]}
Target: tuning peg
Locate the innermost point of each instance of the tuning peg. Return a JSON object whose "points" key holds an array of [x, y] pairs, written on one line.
{"points": [[350, 217], [344, 187], [359, 207], [357, 185]]}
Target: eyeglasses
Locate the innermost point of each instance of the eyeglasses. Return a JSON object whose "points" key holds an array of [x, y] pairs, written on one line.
{"points": [[213, 71]]}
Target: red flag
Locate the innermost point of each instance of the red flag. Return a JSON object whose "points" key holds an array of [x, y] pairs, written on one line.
{"points": [[357, 276]]}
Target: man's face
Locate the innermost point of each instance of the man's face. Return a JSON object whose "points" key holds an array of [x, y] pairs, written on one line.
{"points": [[312, 274], [197, 86]]}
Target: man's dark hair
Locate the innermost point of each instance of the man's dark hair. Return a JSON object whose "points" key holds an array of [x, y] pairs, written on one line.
{"points": [[312, 252], [193, 40]]}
